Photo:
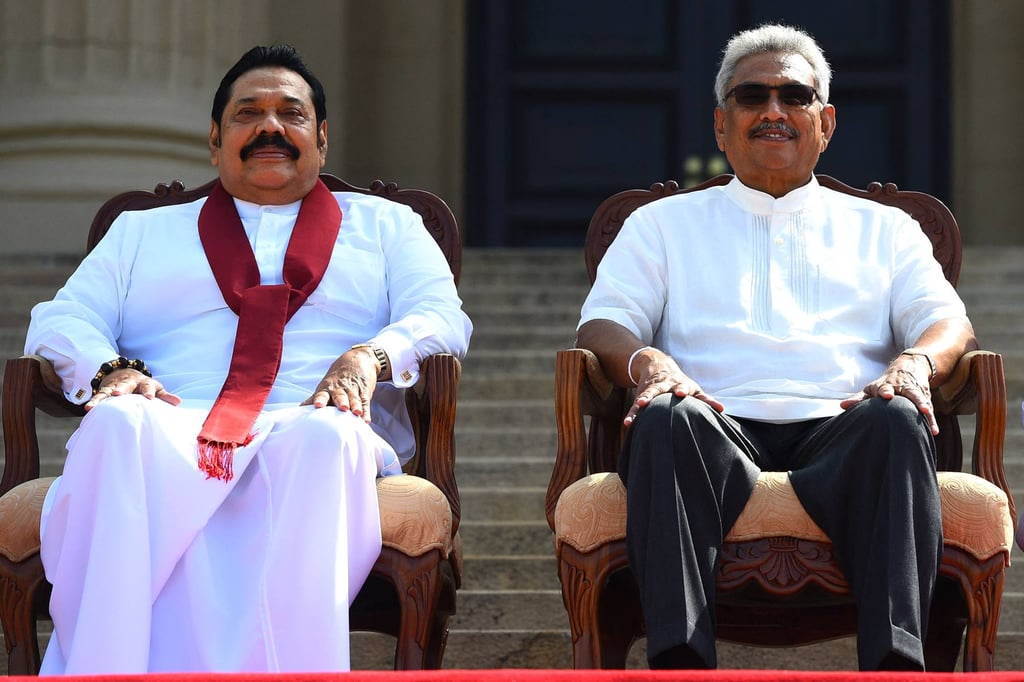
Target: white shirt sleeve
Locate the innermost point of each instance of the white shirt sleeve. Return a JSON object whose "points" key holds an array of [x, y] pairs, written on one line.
{"points": [[631, 284], [921, 295], [426, 311], [77, 330]]}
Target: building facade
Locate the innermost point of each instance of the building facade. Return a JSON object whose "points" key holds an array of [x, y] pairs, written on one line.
{"points": [[101, 96]]}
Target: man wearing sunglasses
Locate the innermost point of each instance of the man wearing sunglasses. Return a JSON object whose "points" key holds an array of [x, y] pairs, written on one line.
{"points": [[772, 324]]}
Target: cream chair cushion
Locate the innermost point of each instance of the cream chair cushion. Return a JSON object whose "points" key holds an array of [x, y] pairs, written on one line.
{"points": [[975, 513], [415, 517]]}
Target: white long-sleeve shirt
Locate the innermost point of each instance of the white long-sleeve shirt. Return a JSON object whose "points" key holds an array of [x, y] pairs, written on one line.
{"points": [[780, 308], [146, 291]]}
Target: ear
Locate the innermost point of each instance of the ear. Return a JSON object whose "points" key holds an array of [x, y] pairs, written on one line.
{"points": [[214, 143], [321, 144], [828, 124], [720, 128]]}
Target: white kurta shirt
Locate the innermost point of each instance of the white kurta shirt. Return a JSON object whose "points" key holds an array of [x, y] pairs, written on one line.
{"points": [[146, 291], [779, 308]]}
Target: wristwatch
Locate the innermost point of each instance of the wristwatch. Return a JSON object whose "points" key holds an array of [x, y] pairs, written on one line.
{"points": [[378, 352]]}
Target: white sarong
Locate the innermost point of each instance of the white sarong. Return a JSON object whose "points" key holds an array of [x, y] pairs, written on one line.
{"points": [[158, 569]]}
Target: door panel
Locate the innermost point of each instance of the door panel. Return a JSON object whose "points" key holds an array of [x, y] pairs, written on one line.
{"points": [[572, 100]]}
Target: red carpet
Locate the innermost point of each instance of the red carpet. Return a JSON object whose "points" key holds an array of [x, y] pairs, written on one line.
{"points": [[531, 675]]}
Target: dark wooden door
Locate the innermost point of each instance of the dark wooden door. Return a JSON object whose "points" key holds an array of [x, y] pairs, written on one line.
{"points": [[570, 101]]}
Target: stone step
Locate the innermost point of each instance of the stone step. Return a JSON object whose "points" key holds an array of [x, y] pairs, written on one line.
{"points": [[499, 443], [510, 573], [507, 337], [565, 315], [486, 294], [507, 538], [1011, 614], [500, 472], [511, 414], [508, 386], [483, 363], [476, 650], [510, 610], [552, 650], [502, 503]]}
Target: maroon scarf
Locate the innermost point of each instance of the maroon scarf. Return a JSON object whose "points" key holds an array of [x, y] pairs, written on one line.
{"points": [[262, 312]]}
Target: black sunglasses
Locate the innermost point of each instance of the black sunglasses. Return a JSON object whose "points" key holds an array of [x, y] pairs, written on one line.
{"points": [[756, 94]]}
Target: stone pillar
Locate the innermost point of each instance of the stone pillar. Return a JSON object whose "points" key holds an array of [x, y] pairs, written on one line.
{"points": [[406, 78], [988, 58], [101, 96]]}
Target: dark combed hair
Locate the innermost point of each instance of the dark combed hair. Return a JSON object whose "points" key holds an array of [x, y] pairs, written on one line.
{"points": [[269, 56]]}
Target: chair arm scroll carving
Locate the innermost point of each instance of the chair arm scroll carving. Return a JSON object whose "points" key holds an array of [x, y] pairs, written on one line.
{"points": [[431, 404], [30, 383], [582, 389]]}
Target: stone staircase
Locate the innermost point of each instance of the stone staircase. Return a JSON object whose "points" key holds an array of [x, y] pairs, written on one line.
{"points": [[525, 305]]}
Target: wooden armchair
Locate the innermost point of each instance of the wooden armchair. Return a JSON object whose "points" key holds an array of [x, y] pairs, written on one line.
{"points": [[410, 593], [778, 584]]}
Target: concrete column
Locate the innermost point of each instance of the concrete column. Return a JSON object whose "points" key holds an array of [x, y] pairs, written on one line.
{"points": [[406, 95], [988, 58], [101, 96]]}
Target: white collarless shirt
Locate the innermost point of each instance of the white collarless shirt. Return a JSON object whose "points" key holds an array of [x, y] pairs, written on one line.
{"points": [[780, 308]]}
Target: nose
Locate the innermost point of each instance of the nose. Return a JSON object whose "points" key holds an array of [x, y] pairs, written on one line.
{"points": [[270, 124], [773, 108]]}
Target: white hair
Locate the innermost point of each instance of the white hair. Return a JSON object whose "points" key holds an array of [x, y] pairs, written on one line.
{"points": [[772, 38]]}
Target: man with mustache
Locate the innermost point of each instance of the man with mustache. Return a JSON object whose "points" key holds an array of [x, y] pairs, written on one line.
{"points": [[772, 324], [242, 361]]}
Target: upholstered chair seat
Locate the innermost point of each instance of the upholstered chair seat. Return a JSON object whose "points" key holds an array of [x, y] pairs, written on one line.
{"points": [[975, 514]]}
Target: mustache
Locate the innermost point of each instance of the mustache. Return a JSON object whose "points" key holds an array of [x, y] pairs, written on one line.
{"points": [[274, 140], [773, 125]]}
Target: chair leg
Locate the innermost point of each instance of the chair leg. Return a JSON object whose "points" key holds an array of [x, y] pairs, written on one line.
{"points": [[423, 630], [583, 578], [981, 584], [983, 604], [19, 587]]}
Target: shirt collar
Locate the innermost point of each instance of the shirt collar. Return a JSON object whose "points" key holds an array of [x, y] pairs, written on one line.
{"points": [[248, 210], [758, 202]]}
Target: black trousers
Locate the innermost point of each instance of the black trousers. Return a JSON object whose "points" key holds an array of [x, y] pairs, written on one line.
{"points": [[866, 477]]}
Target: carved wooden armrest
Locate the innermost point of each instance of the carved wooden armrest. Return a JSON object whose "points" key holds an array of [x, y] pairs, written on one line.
{"points": [[977, 386], [956, 395], [30, 383], [431, 404], [582, 389]]}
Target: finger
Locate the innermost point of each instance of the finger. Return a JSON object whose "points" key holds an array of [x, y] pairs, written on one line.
{"points": [[168, 397], [634, 409], [148, 388], [933, 424], [643, 399], [355, 402], [853, 400], [98, 397], [341, 399], [923, 402], [321, 398], [886, 391], [717, 406]]}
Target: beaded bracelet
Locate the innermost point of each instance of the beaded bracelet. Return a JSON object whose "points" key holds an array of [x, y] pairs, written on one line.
{"points": [[121, 362]]}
